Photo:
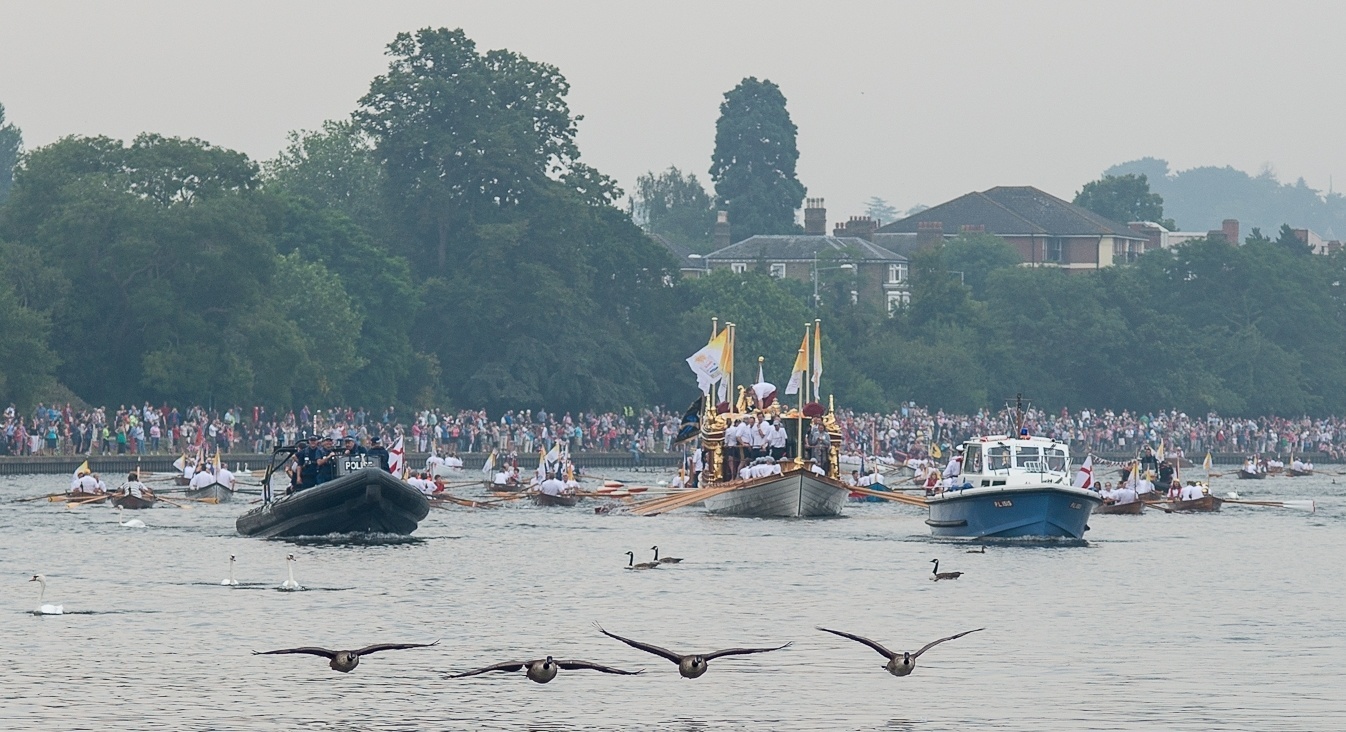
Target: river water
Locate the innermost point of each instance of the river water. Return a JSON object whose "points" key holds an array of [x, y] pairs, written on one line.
{"points": [[1228, 621]]}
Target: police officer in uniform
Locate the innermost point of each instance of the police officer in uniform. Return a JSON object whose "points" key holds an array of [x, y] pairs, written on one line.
{"points": [[307, 460], [327, 456], [378, 452]]}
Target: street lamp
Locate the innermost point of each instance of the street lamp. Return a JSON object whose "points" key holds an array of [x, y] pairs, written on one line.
{"points": [[817, 269]]}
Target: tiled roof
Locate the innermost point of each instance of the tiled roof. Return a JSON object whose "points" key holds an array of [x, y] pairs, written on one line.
{"points": [[1011, 211], [801, 247]]}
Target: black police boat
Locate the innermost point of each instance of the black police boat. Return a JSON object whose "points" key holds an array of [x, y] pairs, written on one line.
{"points": [[362, 499]]}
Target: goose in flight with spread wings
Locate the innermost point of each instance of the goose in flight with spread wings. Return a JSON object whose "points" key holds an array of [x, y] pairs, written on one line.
{"points": [[692, 665], [899, 664], [346, 661], [543, 670]]}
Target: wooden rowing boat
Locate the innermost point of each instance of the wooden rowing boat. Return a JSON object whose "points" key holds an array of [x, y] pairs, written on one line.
{"points": [[1291, 472], [86, 498], [130, 502], [1204, 504], [1245, 475], [217, 491], [181, 480], [502, 487], [1133, 508], [543, 499]]}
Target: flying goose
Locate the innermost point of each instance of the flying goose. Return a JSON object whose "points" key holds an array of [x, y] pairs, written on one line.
{"points": [[938, 575], [346, 661], [631, 562], [543, 670], [899, 664], [665, 560], [690, 666], [42, 609]]}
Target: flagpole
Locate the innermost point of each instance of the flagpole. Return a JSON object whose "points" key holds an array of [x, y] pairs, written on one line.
{"points": [[808, 366], [799, 444], [729, 393]]}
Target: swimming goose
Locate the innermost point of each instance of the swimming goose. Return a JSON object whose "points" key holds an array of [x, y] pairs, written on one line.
{"points": [[938, 575], [230, 582], [290, 585], [346, 661], [631, 562], [689, 666], [543, 670], [42, 593], [665, 560], [899, 664], [133, 523], [982, 550]]}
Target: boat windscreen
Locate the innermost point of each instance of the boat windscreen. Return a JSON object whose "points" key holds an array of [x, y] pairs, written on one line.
{"points": [[998, 457], [1028, 458], [1056, 459]]}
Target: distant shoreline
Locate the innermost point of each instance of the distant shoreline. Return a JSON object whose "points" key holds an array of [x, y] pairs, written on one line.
{"points": [[110, 464]]}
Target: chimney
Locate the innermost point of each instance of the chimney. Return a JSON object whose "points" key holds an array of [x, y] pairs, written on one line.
{"points": [[1230, 227], [815, 217], [860, 226], [722, 238], [929, 234]]}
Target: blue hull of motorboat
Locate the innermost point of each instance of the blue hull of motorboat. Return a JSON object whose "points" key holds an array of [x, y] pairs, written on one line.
{"points": [[1036, 512]]}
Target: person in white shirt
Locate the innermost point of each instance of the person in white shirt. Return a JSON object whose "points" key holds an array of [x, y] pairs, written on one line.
{"points": [[203, 478], [1143, 486], [1124, 494], [852, 479], [679, 482], [552, 487], [87, 483], [776, 441], [1297, 464], [1191, 492], [135, 488], [433, 462], [225, 477], [189, 470]]}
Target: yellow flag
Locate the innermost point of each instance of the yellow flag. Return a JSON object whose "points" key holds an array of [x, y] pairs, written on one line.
{"points": [[82, 469], [1159, 454], [727, 355], [1205, 464], [935, 452], [817, 358]]}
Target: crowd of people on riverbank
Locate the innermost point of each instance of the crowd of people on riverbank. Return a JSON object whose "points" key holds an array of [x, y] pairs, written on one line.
{"points": [[909, 431]]}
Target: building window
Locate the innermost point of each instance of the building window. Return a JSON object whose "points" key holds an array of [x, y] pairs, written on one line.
{"points": [[898, 301], [1056, 250], [778, 271], [897, 273], [739, 267], [1124, 252]]}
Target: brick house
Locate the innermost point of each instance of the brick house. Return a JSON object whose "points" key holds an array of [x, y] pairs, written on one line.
{"points": [[1046, 230], [881, 277]]}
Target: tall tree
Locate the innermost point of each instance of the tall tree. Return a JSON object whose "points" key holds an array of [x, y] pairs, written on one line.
{"points": [[27, 364], [675, 206], [463, 136], [880, 210], [1290, 242], [334, 168], [1123, 198], [11, 144], [753, 165]]}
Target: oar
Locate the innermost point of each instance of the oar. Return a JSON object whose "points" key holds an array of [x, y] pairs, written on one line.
{"points": [[889, 496], [439, 499], [82, 501], [39, 498], [198, 500], [1309, 506], [171, 503]]}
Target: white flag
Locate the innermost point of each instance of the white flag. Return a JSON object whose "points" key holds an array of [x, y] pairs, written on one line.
{"points": [[1085, 478], [395, 456], [705, 363], [489, 466]]}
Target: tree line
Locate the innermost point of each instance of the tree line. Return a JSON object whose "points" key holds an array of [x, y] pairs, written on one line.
{"points": [[445, 245]]}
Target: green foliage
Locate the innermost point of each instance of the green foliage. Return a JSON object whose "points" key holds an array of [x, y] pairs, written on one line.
{"points": [[753, 165], [1287, 240], [27, 364], [11, 145], [1123, 198], [675, 206], [335, 168], [977, 256]]}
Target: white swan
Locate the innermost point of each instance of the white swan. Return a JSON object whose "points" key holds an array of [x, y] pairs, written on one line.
{"points": [[133, 523], [231, 582], [290, 585], [45, 609]]}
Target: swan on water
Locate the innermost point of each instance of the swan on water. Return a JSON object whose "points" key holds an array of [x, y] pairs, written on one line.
{"points": [[230, 582], [346, 661], [290, 584], [42, 593], [632, 564], [938, 575], [133, 523], [691, 665], [543, 670], [899, 664], [665, 560]]}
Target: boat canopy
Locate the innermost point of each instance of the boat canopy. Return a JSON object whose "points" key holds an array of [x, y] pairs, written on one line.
{"points": [[1041, 457]]}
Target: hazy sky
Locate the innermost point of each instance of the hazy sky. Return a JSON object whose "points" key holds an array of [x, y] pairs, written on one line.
{"points": [[916, 102]]}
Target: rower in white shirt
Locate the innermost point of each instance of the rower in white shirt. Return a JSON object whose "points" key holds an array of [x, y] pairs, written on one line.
{"points": [[87, 483], [776, 441], [1191, 492], [1125, 494], [552, 487], [225, 477], [1297, 465], [203, 478], [133, 487], [432, 462]]}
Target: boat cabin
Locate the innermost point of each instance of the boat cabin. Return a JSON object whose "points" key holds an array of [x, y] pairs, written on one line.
{"points": [[1002, 460]]}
